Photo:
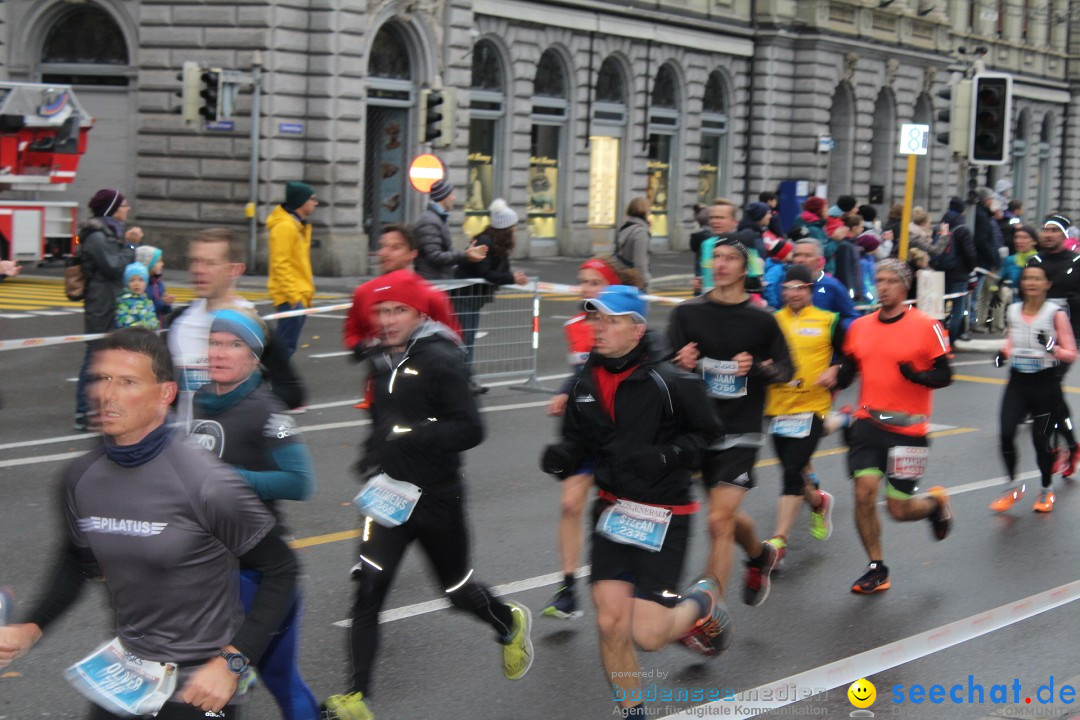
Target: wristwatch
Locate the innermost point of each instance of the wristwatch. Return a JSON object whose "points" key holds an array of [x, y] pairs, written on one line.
{"points": [[238, 664]]}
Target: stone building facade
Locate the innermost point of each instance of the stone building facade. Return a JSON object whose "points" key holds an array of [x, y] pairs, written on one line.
{"points": [[566, 109]]}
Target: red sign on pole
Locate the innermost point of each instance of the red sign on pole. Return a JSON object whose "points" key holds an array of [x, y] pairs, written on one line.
{"points": [[424, 171]]}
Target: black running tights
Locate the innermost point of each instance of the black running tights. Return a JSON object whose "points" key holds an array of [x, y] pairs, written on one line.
{"points": [[1037, 394]]}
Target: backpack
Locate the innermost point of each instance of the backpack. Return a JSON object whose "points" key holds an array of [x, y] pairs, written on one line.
{"points": [[74, 278], [945, 258], [616, 257]]}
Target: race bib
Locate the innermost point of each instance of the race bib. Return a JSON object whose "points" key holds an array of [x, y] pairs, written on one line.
{"points": [[721, 379], [792, 426], [387, 501], [907, 462], [631, 523], [122, 683], [1030, 361]]}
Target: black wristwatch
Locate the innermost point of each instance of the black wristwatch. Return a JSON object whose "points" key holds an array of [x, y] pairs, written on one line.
{"points": [[238, 664]]}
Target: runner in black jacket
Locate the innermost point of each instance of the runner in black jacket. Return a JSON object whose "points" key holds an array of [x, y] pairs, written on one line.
{"points": [[423, 417], [645, 424]]}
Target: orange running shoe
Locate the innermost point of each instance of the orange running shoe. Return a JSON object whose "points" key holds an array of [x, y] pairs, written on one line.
{"points": [[1045, 502], [1007, 499]]}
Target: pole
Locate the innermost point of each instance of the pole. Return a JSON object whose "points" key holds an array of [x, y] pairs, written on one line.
{"points": [[253, 177], [909, 195]]}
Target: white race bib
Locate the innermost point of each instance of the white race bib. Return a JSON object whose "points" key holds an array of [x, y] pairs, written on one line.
{"points": [[631, 523], [792, 426], [1031, 361], [122, 683], [907, 462], [721, 378], [387, 501]]}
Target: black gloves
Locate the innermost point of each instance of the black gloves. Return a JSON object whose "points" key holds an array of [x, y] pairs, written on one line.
{"points": [[908, 371], [1047, 341], [559, 460], [999, 360]]}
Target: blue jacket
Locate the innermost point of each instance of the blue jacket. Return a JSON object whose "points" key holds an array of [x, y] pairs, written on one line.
{"points": [[830, 294], [774, 278]]}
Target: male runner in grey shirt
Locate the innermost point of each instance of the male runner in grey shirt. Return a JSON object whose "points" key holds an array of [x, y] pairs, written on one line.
{"points": [[164, 523]]}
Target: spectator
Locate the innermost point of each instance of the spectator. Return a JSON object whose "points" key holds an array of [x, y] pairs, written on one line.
{"points": [[773, 201], [106, 250], [920, 233], [703, 233], [290, 283], [1025, 239], [633, 238], [891, 229], [133, 307], [755, 221], [494, 270], [151, 257], [437, 258], [987, 241]]}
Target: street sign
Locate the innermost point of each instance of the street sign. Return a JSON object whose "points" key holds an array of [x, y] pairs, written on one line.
{"points": [[287, 128], [914, 139], [424, 171], [221, 125], [825, 143]]}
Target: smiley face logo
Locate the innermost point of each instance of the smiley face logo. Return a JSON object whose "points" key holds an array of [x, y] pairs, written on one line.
{"points": [[862, 693]]}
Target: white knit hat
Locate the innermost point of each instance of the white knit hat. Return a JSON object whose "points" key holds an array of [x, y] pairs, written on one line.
{"points": [[502, 216]]}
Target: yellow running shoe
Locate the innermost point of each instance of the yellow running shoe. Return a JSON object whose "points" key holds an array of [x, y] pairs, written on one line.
{"points": [[518, 648], [1045, 502], [347, 706]]}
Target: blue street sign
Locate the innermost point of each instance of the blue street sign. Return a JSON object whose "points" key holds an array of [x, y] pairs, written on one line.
{"points": [[221, 125], [291, 128]]}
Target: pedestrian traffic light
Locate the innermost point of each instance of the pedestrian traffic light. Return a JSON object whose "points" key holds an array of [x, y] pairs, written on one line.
{"points": [[958, 116], [211, 94], [990, 119], [189, 91], [432, 112]]}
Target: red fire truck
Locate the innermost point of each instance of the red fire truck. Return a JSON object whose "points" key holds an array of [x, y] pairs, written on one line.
{"points": [[43, 135]]}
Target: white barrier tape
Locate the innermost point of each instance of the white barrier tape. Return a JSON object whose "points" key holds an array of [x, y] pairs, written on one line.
{"points": [[44, 341], [872, 662], [555, 288]]}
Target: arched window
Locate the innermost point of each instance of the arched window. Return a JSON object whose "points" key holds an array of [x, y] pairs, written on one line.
{"points": [[392, 96], [712, 180], [85, 46], [842, 130], [549, 115], [663, 129], [486, 109], [608, 124], [883, 150]]}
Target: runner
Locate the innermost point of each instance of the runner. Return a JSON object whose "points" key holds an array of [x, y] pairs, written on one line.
{"points": [[740, 351], [423, 416], [903, 355], [1063, 269], [646, 425], [593, 276], [1039, 338], [238, 420], [829, 293], [798, 408]]}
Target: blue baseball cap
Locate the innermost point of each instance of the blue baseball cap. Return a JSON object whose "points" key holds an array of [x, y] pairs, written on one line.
{"points": [[619, 300]]}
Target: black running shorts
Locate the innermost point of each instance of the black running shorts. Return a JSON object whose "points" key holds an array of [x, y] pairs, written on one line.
{"points": [[654, 575], [868, 452], [734, 466]]}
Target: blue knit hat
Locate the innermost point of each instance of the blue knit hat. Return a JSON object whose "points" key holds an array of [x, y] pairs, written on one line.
{"points": [[242, 325], [134, 269]]}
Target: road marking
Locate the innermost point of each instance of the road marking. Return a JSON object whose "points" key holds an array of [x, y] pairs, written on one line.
{"points": [[886, 657], [14, 316], [422, 608]]}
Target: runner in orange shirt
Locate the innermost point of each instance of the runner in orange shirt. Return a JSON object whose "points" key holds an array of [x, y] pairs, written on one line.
{"points": [[902, 354]]}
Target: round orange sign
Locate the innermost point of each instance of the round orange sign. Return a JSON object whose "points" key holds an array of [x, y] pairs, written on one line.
{"points": [[426, 170]]}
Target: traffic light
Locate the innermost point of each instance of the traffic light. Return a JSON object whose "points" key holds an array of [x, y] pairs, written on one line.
{"points": [[990, 116], [189, 91], [211, 94], [958, 116], [432, 104]]}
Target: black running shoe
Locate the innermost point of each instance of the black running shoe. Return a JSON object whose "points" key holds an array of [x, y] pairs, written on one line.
{"points": [[874, 579], [756, 581]]}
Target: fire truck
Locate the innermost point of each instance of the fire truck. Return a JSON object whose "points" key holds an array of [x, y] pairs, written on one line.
{"points": [[43, 136]]}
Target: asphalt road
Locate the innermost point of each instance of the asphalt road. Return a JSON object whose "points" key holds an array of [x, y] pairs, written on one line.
{"points": [[933, 627]]}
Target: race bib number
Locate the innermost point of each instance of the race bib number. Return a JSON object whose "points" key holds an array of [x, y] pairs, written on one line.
{"points": [[792, 426], [721, 378], [907, 462], [1030, 361], [387, 501], [122, 683], [631, 523]]}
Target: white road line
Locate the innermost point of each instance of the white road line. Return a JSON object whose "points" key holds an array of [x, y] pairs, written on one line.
{"points": [[340, 353], [50, 312], [48, 441], [304, 428], [422, 608], [864, 664], [408, 611], [14, 316]]}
